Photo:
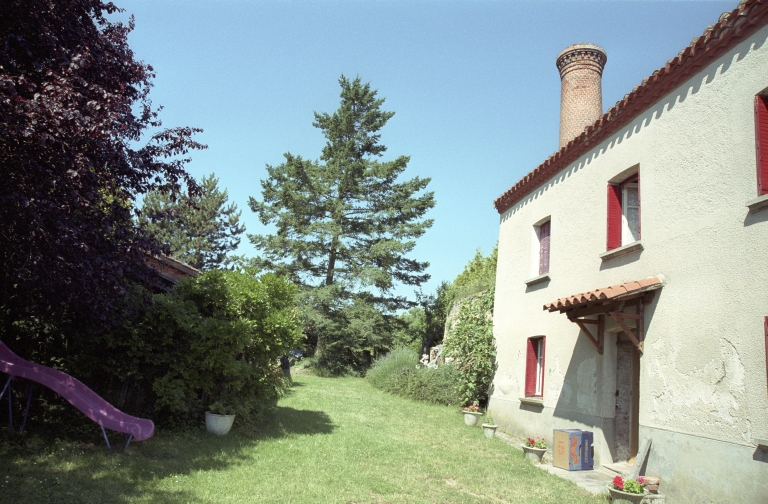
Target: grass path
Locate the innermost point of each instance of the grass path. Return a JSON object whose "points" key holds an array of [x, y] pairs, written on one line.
{"points": [[330, 440]]}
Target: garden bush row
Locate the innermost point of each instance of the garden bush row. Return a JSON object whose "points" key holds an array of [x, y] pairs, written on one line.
{"points": [[212, 343], [398, 373]]}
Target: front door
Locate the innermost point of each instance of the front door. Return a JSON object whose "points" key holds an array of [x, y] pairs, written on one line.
{"points": [[626, 421]]}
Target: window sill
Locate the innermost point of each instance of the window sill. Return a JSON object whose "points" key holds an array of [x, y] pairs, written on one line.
{"points": [[533, 401], [758, 203], [623, 250], [762, 444], [537, 279]]}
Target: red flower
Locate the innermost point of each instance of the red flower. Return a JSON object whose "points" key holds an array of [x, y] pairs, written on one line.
{"points": [[618, 482]]}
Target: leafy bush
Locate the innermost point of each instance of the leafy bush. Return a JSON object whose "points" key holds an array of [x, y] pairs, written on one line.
{"points": [[478, 275], [470, 344], [439, 386], [397, 373], [213, 342], [217, 339], [390, 372]]}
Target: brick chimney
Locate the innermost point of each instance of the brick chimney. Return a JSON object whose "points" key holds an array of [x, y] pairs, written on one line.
{"points": [[581, 96]]}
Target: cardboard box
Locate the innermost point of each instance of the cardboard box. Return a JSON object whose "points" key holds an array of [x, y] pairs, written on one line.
{"points": [[572, 449]]}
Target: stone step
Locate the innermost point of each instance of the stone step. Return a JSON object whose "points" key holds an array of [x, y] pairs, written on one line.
{"points": [[620, 468]]}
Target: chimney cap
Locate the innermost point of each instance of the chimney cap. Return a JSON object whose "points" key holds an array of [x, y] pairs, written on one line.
{"points": [[581, 45], [587, 50]]}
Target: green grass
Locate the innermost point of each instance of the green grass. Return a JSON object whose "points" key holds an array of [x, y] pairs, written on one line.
{"points": [[330, 440]]}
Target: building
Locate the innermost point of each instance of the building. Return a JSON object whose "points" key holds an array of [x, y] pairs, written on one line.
{"points": [[170, 271], [632, 280]]}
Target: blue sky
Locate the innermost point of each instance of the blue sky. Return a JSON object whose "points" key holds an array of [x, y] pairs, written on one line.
{"points": [[473, 84]]}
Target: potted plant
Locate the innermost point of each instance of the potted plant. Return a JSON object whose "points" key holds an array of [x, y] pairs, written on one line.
{"points": [[534, 449], [626, 491], [219, 419], [471, 414], [489, 428]]}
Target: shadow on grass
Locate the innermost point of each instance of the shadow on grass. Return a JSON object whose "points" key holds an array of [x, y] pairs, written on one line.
{"points": [[35, 470]]}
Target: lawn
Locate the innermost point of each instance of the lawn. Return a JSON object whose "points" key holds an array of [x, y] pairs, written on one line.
{"points": [[330, 440]]}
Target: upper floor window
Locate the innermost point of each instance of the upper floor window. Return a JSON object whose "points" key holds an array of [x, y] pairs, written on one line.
{"points": [[761, 143], [540, 246], [544, 231], [624, 212]]}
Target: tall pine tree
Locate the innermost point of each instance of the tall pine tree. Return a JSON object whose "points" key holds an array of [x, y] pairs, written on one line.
{"points": [[200, 230], [346, 223]]}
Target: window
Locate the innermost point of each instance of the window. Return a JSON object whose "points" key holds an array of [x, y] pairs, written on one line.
{"points": [[540, 246], [761, 143], [624, 212], [544, 248], [534, 367]]}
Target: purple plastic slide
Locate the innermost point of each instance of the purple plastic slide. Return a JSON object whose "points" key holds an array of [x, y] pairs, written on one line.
{"points": [[78, 395]]}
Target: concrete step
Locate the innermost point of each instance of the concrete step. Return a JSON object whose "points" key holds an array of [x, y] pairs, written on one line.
{"points": [[620, 468]]}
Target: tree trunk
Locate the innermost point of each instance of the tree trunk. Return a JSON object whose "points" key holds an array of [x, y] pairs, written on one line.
{"points": [[331, 261]]}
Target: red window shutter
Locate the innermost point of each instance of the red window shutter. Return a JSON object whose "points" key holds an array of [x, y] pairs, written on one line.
{"points": [[761, 143], [530, 369], [543, 361], [544, 248], [614, 216], [640, 207]]}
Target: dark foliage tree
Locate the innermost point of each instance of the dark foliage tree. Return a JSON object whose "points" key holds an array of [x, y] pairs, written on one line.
{"points": [[346, 223], [200, 229], [74, 103]]}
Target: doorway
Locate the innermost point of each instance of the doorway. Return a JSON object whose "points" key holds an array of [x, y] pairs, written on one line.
{"points": [[626, 419]]}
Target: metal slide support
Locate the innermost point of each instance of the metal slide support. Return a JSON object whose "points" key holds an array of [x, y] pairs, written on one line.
{"points": [[130, 437], [26, 410], [6, 386], [10, 412], [105, 437], [10, 403]]}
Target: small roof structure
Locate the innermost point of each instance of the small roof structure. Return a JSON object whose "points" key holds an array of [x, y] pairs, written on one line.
{"points": [[171, 270], [624, 291], [610, 301]]}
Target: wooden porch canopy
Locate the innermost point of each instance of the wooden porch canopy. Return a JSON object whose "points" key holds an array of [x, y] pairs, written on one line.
{"points": [[610, 301]]}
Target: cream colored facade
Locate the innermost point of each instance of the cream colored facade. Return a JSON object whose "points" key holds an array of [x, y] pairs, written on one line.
{"points": [[702, 381]]}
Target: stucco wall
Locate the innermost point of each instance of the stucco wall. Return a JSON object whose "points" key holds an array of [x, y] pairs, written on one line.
{"points": [[703, 373]]}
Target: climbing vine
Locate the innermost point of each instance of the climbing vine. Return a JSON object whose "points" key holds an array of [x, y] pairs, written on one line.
{"points": [[471, 346]]}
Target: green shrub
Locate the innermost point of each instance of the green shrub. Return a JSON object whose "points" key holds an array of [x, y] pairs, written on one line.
{"points": [[216, 342], [389, 373], [397, 373], [478, 275], [439, 386], [471, 346], [213, 342]]}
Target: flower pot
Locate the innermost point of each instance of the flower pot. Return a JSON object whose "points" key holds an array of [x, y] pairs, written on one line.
{"points": [[534, 454], [489, 430], [218, 424], [470, 417], [619, 497]]}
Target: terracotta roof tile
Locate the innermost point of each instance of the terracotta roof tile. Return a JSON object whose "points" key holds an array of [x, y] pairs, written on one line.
{"points": [[731, 28], [607, 293]]}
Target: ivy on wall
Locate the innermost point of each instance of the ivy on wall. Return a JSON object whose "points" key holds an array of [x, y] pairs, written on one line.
{"points": [[471, 346]]}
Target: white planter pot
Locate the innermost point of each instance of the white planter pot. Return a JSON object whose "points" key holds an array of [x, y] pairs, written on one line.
{"points": [[533, 454], [489, 430], [470, 418], [619, 497], [218, 424]]}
